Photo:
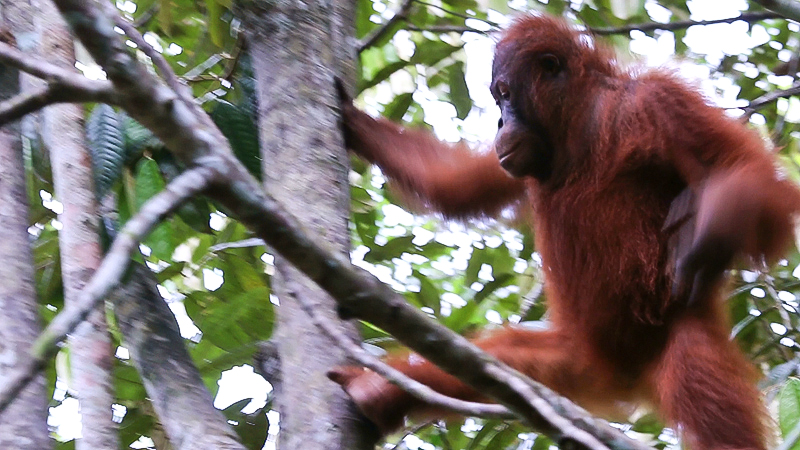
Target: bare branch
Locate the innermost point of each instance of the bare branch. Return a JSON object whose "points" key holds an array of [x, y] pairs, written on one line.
{"points": [[380, 32], [406, 383], [107, 276], [457, 14], [448, 29], [56, 92], [63, 86], [158, 59], [770, 97], [196, 73], [252, 242], [679, 25], [147, 16]]}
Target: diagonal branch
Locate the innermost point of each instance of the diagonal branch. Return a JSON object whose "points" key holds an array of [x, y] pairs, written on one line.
{"points": [[770, 97], [63, 85], [406, 383], [383, 30], [158, 59], [107, 276], [457, 14], [56, 92], [448, 29], [679, 25]]}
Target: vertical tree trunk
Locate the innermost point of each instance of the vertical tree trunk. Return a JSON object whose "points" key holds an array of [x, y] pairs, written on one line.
{"points": [[297, 48], [91, 358], [181, 400], [24, 424]]}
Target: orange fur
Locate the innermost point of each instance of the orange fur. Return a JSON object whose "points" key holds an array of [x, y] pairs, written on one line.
{"points": [[628, 325]]}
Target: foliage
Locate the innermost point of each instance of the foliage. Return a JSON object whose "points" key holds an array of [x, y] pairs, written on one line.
{"points": [[421, 71]]}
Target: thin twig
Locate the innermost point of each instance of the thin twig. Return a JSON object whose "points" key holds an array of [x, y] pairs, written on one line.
{"points": [[458, 14], [413, 387], [107, 276], [244, 243], [770, 97], [448, 29], [147, 15], [378, 33], [158, 59], [679, 25], [195, 74]]}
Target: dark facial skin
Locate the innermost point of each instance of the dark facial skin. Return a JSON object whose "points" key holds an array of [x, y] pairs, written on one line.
{"points": [[522, 144]]}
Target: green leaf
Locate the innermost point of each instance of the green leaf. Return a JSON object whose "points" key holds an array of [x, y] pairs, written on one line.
{"points": [[428, 295], [500, 280], [625, 9], [649, 423], [364, 10], [487, 432], [215, 23], [789, 408], [395, 110], [106, 147], [480, 256], [234, 323], [128, 385], [393, 249], [459, 93], [251, 428], [503, 438], [137, 138], [239, 126], [224, 360], [429, 53], [383, 74], [149, 183]]}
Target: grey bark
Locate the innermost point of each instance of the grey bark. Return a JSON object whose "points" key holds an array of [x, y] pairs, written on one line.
{"points": [[297, 48], [91, 355], [173, 383], [24, 424]]}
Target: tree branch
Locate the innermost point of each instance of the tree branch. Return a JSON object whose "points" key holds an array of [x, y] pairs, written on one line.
{"points": [[457, 14], [63, 86], [107, 276], [380, 32], [770, 97], [447, 29], [55, 92], [158, 59], [679, 25], [599, 31], [406, 383]]}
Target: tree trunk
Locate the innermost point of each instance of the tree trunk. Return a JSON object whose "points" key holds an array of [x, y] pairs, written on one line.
{"points": [[172, 380], [91, 356], [297, 48], [24, 424]]}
